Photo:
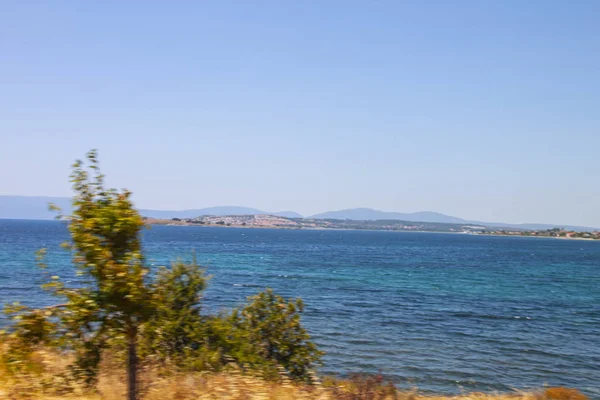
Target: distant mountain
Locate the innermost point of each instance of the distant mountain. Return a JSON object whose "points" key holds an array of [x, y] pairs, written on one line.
{"points": [[218, 211], [30, 207], [369, 214], [287, 214], [366, 214], [225, 210]]}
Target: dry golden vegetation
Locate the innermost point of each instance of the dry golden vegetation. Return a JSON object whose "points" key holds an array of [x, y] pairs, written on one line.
{"points": [[47, 377]]}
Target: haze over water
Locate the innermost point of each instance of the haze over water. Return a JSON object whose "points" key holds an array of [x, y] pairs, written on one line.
{"points": [[442, 312]]}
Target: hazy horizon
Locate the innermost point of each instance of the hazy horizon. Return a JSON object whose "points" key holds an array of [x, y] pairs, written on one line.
{"points": [[485, 111], [281, 210]]}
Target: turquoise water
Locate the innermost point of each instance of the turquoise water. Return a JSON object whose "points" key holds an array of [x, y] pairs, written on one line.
{"points": [[441, 312]]}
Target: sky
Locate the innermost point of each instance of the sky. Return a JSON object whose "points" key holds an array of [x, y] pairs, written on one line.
{"points": [[485, 110]]}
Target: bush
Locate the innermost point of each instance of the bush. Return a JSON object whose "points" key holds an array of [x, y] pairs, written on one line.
{"points": [[174, 328], [269, 330], [265, 335]]}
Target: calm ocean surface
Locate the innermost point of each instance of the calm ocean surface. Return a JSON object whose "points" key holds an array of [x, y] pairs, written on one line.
{"points": [[441, 312]]}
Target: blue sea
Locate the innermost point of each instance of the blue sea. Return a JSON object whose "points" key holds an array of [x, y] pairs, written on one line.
{"points": [[442, 312]]}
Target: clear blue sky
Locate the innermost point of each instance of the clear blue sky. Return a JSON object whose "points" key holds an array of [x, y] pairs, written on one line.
{"points": [[483, 109]]}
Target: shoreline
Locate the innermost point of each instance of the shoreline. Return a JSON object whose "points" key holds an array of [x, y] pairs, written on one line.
{"points": [[159, 222]]}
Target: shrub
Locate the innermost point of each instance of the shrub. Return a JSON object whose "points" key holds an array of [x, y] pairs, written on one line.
{"points": [[269, 329], [175, 327]]}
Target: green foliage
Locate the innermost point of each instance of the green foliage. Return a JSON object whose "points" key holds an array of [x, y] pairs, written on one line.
{"points": [[31, 329], [106, 248], [174, 328], [115, 298], [269, 328], [265, 335]]}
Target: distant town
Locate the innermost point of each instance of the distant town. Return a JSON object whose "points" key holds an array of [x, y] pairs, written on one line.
{"points": [[274, 221]]}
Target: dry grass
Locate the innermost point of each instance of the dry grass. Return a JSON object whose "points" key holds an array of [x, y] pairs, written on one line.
{"points": [[49, 381]]}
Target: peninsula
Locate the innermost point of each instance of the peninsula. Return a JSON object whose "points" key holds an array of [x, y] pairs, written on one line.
{"points": [[280, 222], [274, 221]]}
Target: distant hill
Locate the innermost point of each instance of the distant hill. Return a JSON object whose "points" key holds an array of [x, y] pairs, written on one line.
{"points": [[287, 214], [32, 207], [225, 210], [36, 207], [369, 214], [217, 211]]}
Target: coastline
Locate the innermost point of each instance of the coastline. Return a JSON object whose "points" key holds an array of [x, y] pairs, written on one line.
{"points": [[160, 222]]}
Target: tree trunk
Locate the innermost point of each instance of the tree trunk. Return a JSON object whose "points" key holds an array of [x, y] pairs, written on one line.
{"points": [[132, 366]]}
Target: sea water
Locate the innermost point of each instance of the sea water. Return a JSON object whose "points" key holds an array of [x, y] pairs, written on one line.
{"points": [[442, 312]]}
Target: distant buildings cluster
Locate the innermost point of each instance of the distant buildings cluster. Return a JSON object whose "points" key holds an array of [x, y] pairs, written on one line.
{"points": [[259, 220]]}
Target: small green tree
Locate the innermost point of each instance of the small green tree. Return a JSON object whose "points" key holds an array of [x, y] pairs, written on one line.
{"points": [[113, 299], [269, 328], [175, 327]]}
